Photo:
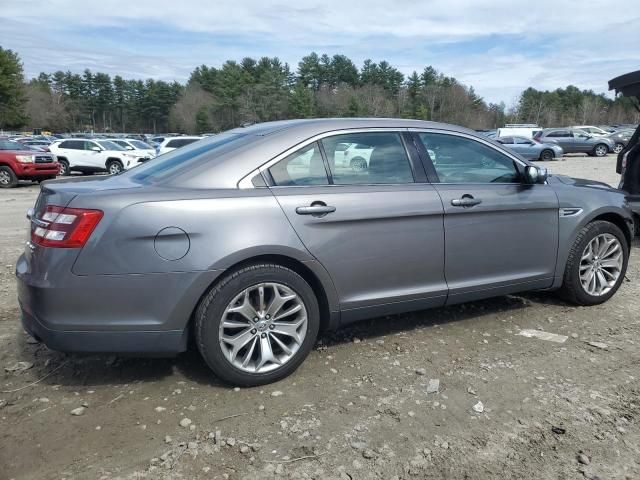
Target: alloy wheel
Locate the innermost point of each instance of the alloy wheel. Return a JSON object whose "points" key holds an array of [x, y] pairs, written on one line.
{"points": [[601, 150], [115, 168], [63, 168], [601, 264], [263, 327], [618, 148], [5, 178]]}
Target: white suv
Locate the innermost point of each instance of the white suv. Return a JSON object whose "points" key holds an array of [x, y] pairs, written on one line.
{"points": [[91, 156], [171, 143], [137, 147]]}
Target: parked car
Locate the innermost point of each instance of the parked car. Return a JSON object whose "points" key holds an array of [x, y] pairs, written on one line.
{"points": [[528, 130], [230, 241], [92, 156], [17, 162], [576, 141], [171, 143], [532, 150], [142, 149], [621, 139], [595, 131], [628, 161]]}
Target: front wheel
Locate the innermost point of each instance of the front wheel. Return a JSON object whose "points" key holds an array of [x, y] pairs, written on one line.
{"points": [[600, 150], [115, 167], [546, 155], [64, 168], [596, 264], [8, 178], [257, 325], [358, 164], [618, 147]]}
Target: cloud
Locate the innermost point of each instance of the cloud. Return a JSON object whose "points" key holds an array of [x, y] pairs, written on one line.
{"points": [[500, 47]]}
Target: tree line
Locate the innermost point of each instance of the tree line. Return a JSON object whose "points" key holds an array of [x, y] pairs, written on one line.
{"points": [[236, 93]]}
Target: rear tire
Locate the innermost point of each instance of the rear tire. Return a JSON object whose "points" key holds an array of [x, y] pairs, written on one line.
{"points": [[600, 150], [8, 178], [214, 309], [546, 155], [572, 288]]}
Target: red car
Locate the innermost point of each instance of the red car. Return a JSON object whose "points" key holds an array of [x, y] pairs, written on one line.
{"points": [[17, 162]]}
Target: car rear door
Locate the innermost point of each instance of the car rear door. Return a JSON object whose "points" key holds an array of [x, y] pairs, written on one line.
{"points": [[564, 138], [378, 232], [501, 235]]}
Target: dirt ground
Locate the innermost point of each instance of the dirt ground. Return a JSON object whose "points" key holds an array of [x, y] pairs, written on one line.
{"points": [[359, 407]]}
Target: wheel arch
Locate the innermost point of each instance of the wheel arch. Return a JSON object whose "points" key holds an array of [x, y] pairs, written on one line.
{"points": [[619, 221], [312, 272]]}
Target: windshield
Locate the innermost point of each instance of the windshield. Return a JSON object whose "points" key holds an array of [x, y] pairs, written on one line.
{"points": [[140, 145], [182, 159], [107, 145], [9, 145]]}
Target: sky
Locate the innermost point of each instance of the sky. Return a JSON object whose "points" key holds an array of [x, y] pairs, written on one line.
{"points": [[500, 47]]}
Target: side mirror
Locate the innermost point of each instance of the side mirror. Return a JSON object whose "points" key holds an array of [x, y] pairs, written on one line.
{"points": [[129, 147], [96, 149], [535, 175]]}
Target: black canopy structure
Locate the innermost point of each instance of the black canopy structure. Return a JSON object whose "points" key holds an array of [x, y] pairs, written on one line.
{"points": [[628, 84]]}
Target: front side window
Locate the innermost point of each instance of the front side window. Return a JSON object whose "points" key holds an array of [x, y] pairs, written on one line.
{"points": [[302, 167], [372, 158], [506, 140], [522, 141], [90, 145], [463, 160]]}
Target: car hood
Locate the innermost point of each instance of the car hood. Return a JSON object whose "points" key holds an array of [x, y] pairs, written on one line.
{"points": [[580, 182]]}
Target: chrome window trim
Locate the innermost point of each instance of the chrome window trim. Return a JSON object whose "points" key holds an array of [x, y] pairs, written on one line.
{"points": [[245, 182]]}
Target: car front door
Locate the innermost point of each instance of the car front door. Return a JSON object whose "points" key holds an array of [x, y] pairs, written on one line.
{"points": [[378, 232], [501, 235], [526, 148], [583, 141], [94, 159]]}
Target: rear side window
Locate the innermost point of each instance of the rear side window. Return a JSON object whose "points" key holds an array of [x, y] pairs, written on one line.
{"points": [[506, 140], [463, 160], [559, 134], [374, 158], [181, 142], [73, 144], [302, 167]]}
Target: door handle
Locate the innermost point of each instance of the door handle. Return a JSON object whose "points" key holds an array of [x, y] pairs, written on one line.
{"points": [[317, 210], [465, 201]]}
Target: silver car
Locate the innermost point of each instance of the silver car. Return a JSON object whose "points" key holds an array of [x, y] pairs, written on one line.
{"points": [[254, 240], [531, 150]]}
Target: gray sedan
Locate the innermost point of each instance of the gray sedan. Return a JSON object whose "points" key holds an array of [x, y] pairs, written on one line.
{"points": [[254, 240], [573, 140], [532, 150]]}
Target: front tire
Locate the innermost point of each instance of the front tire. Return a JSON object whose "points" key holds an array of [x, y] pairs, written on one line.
{"points": [[257, 325], [64, 168], [600, 150], [596, 265], [546, 155], [8, 178], [618, 147], [114, 167]]}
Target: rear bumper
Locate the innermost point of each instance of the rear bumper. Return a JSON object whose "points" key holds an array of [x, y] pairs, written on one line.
{"points": [[166, 343], [127, 314]]}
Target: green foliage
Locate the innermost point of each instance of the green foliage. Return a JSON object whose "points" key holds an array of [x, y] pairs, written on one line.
{"points": [[12, 91], [264, 89]]}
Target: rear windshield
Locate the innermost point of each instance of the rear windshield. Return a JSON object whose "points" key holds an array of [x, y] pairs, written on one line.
{"points": [[182, 159]]}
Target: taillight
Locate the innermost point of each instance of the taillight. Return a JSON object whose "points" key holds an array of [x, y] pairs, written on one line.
{"points": [[64, 227]]}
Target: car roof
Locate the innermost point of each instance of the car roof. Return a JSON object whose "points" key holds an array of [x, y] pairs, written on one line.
{"points": [[315, 126]]}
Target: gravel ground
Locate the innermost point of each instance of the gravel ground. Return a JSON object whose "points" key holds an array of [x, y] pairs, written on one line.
{"points": [[447, 393]]}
